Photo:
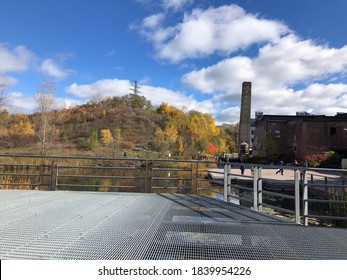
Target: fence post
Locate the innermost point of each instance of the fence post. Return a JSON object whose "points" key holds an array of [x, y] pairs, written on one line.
{"points": [[146, 175], [297, 195], [56, 176], [229, 184], [191, 178], [255, 188], [260, 190], [51, 176], [225, 192], [305, 197], [197, 177]]}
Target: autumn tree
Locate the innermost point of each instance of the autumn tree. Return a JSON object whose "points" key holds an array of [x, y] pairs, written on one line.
{"points": [[164, 140], [133, 100], [106, 137], [116, 141], [45, 99], [114, 102]]}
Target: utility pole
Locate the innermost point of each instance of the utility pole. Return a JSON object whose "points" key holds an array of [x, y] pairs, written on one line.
{"points": [[135, 89]]}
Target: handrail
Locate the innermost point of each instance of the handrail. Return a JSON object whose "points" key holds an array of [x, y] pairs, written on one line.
{"points": [[147, 175], [301, 184]]}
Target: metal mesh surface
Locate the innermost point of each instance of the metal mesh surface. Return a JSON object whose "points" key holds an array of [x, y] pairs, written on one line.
{"points": [[95, 225]]}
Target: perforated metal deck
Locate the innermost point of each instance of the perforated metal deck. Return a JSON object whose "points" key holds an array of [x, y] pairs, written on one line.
{"points": [[95, 225]]}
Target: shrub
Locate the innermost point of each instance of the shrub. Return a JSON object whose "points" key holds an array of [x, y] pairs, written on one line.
{"points": [[127, 145], [316, 159]]}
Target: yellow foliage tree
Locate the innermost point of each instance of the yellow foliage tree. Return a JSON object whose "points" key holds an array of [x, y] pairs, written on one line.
{"points": [[22, 128], [106, 137]]}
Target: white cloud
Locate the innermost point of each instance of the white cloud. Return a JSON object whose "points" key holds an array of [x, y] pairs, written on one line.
{"points": [[226, 75], [17, 59], [278, 68], [152, 21], [229, 115], [292, 60], [176, 4], [8, 81], [106, 87], [21, 103], [158, 95], [51, 68], [216, 30]]}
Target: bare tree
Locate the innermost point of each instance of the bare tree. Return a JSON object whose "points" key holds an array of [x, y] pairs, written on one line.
{"points": [[98, 97], [45, 98], [4, 84]]}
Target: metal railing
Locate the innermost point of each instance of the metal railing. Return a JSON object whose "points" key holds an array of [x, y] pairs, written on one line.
{"points": [[182, 176], [101, 174], [301, 200]]}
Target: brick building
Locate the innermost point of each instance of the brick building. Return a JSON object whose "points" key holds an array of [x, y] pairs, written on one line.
{"points": [[295, 136]]}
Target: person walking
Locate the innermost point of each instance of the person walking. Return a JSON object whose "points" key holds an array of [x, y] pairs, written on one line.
{"points": [[242, 168], [280, 170]]}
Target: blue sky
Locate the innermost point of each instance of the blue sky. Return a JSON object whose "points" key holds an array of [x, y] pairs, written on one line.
{"points": [[188, 53]]}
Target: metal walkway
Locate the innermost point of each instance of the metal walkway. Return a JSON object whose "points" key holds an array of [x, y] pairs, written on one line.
{"points": [[100, 226]]}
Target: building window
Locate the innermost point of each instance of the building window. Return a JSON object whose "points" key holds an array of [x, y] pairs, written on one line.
{"points": [[332, 131], [277, 134]]}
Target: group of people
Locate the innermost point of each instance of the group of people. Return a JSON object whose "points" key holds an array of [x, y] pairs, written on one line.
{"points": [[243, 168]]}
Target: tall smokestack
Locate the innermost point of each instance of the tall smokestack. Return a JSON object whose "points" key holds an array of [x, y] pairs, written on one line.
{"points": [[245, 115]]}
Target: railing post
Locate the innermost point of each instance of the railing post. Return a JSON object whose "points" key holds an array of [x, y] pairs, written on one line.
{"points": [[225, 192], [297, 195], [146, 180], [51, 176], [229, 184], [191, 178], [305, 197], [56, 176], [255, 188], [260, 190], [196, 177]]}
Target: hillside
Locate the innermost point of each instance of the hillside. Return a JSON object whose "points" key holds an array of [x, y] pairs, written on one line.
{"points": [[114, 126]]}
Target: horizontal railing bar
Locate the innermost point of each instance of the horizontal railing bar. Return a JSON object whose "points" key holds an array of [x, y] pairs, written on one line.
{"points": [[326, 185], [24, 165], [23, 184], [278, 208], [326, 217], [98, 186], [205, 189], [23, 174], [238, 175], [326, 201], [210, 171], [171, 178], [169, 169], [102, 167], [172, 188], [277, 194], [99, 176]]}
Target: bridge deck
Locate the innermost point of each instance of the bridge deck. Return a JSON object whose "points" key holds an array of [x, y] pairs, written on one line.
{"points": [[95, 225]]}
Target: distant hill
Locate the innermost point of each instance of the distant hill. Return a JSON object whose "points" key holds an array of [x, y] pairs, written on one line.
{"points": [[118, 124]]}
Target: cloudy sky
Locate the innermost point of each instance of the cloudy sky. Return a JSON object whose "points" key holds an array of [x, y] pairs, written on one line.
{"points": [[192, 53]]}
